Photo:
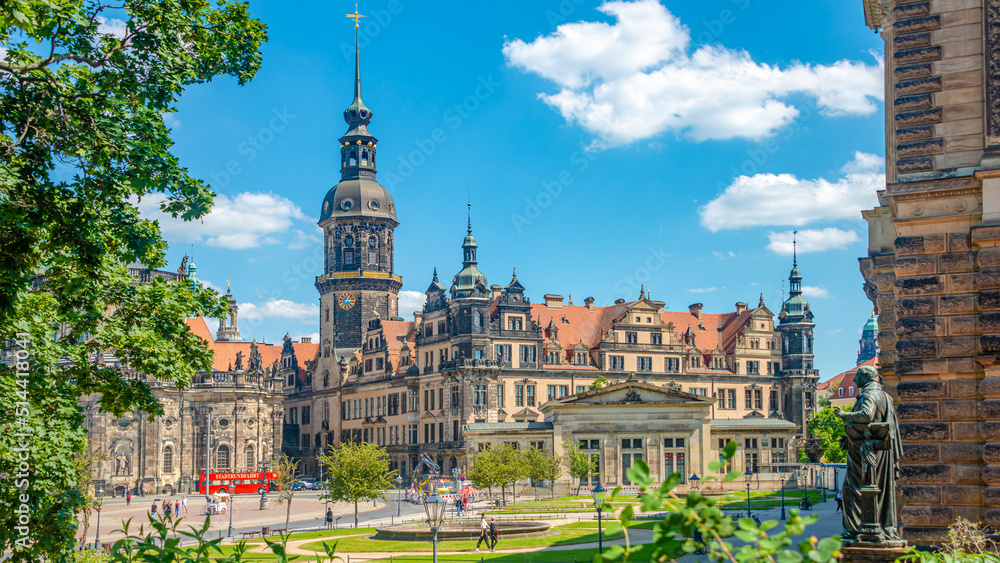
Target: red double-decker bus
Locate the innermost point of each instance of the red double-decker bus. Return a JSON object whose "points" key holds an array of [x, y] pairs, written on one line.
{"points": [[237, 481]]}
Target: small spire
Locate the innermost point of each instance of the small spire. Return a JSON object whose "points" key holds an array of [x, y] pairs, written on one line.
{"points": [[642, 291], [761, 304], [470, 213], [795, 257], [515, 274], [435, 273]]}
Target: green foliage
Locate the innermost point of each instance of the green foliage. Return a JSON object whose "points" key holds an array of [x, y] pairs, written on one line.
{"points": [[161, 543], [499, 465], [357, 471], [827, 427], [82, 139], [287, 470], [540, 466], [686, 515], [598, 383], [581, 465]]}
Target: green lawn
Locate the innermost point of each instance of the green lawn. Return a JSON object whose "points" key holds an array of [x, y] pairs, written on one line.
{"points": [[563, 535], [578, 555]]}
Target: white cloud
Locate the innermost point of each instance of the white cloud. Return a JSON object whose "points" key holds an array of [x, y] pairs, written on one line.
{"points": [[638, 78], [313, 335], [811, 240], [280, 309], [112, 26], [783, 199], [835, 331], [246, 220], [170, 120], [726, 255], [813, 291], [304, 239], [864, 162], [704, 289], [410, 301]]}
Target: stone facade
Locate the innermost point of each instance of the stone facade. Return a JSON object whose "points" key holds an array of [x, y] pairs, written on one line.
{"points": [[933, 257]]}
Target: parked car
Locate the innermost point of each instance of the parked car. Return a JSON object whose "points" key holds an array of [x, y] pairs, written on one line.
{"points": [[298, 486], [309, 484]]}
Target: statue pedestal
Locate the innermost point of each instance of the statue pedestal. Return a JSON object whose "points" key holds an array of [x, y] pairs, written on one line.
{"points": [[860, 552], [263, 503], [870, 530]]}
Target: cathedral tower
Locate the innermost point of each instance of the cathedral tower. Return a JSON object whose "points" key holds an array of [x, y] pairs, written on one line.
{"points": [[795, 322], [358, 217]]}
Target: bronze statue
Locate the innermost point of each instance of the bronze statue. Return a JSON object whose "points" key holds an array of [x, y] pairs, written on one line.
{"points": [[873, 449]]}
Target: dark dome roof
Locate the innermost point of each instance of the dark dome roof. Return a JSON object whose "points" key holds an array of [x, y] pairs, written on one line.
{"points": [[358, 197]]}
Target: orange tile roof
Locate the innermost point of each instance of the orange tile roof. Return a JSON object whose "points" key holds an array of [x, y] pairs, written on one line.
{"points": [[587, 325], [396, 333], [847, 379], [224, 353]]}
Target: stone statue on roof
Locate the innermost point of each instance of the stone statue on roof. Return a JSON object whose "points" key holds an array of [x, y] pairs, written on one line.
{"points": [[239, 361], [256, 363]]}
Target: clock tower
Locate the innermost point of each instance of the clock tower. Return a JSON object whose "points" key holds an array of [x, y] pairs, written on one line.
{"points": [[358, 217]]}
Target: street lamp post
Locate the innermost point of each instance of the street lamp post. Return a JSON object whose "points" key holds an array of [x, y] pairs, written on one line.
{"points": [[97, 532], [749, 477], [695, 481], [434, 506], [399, 494], [598, 493], [231, 505]]}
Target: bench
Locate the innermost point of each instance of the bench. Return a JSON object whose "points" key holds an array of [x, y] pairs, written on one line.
{"points": [[250, 534], [275, 531]]}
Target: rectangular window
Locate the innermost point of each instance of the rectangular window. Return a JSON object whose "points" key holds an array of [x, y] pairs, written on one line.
{"points": [[656, 338], [758, 399], [750, 443], [672, 364], [631, 338], [531, 395], [440, 432], [644, 363], [563, 390], [753, 367], [551, 392], [373, 258], [617, 362], [751, 461], [581, 388], [777, 442], [528, 353], [748, 399], [500, 395], [441, 398], [519, 395], [305, 415], [514, 323], [774, 400], [454, 396], [454, 430], [731, 398], [503, 352]]}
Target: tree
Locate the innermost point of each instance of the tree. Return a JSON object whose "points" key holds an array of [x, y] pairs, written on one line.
{"points": [[82, 139], [287, 474], [598, 383], [85, 461], [581, 465], [540, 466], [499, 465], [356, 472], [483, 470], [827, 429]]}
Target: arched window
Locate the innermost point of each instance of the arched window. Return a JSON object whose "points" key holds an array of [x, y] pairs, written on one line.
{"points": [[222, 457], [168, 459], [326, 378], [326, 411], [248, 455], [364, 158], [349, 240], [353, 160]]}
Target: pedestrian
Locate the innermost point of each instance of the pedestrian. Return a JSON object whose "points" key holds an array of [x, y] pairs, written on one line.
{"points": [[329, 518], [143, 493], [184, 504], [153, 510], [494, 534], [177, 508], [128, 498], [484, 531], [166, 510], [840, 501]]}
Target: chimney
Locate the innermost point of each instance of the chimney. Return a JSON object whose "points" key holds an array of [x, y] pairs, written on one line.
{"points": [[695, 309], [589, 302], [495, 290], [553, 301], [307, 340], [740, 307], [619, 301]]}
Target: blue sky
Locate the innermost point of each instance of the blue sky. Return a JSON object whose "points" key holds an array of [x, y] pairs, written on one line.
{"points": [[672, 144]]}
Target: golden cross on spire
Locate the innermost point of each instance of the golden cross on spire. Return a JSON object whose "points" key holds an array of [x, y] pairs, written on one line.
{"points": [[227, 284], [356, 16]]}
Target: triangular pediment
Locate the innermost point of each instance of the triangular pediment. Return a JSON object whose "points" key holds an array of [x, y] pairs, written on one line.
{"points": [[526, 413], [635, 392]]}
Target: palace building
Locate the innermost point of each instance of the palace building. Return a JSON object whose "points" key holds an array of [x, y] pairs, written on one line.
{"points": [[482, 364]]}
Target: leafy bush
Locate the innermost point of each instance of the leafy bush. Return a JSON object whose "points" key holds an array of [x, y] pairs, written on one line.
{"points": [[699, 516]]}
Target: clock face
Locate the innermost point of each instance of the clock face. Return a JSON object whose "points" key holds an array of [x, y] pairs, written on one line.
{"points": [[346, 300]]}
